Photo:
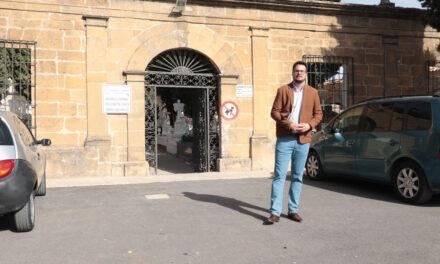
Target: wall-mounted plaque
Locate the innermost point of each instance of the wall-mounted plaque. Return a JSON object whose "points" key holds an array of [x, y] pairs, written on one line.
{"points": [[116, 98]]}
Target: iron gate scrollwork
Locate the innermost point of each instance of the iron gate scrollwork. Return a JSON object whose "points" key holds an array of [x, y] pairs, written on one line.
{"points": [[179, 80], [185, 69], [150, 125], [214, 129]]}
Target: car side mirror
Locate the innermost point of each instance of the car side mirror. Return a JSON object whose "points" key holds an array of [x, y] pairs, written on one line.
{"points": [[339, 136], [44, 142]]}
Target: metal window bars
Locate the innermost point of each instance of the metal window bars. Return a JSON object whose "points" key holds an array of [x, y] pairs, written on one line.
{"points": [[17, 79], [333, 77], [433, 76]]}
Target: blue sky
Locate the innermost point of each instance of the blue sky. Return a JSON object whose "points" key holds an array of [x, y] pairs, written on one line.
{"points": [[401, 3]]}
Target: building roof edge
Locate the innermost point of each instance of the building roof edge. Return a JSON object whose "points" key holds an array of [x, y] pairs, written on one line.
{"points": [[317, 7]]}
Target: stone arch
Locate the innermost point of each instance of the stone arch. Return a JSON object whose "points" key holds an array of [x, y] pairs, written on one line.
{"points": [[200, 38]]}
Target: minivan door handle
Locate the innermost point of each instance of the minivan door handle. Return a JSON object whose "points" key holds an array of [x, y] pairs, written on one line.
{"points": [[393, 142], [350, 142]]}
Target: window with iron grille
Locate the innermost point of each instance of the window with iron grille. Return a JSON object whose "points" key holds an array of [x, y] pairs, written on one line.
{"points": [[433, 82], [332, 76], [17, 78]]}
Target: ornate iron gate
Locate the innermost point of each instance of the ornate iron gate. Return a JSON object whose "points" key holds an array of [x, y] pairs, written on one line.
{"points": [[185, 69], [17, 79]]}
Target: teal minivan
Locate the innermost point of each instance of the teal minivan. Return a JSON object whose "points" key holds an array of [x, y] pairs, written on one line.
{"points": [[389, 140]]}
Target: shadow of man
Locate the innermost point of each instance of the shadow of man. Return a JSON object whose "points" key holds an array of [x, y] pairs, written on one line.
{"points": [[230, 203]]}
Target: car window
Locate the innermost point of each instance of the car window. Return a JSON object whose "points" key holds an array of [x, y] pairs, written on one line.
{"points": [[349, 120], [5, 134], [376, 117], [24, 132], [398, 117], [418, 116]]}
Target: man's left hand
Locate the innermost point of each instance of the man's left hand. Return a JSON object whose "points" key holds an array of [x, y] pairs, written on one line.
{"points": [[304, 127]]}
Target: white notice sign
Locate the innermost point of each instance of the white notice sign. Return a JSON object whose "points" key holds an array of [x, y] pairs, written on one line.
{"points": [[243, 91], [116, 98]]}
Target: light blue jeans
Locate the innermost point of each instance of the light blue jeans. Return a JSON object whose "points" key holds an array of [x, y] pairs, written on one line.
{"points": [[288, 149]]}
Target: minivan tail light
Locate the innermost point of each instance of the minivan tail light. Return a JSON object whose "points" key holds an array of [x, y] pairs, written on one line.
{"points": [[6, 167]]}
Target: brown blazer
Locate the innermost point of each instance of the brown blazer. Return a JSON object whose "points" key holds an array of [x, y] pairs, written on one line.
{"points": [[311, 111]]}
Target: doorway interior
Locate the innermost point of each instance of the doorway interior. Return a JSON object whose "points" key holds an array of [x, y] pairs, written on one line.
{"points": [[181, 113]]}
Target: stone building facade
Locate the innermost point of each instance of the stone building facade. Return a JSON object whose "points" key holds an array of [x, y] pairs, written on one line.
{"points": [[83, 45]]}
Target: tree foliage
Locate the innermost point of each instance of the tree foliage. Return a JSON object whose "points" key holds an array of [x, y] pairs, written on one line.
{"points": [[15, 64], [432, 14]]}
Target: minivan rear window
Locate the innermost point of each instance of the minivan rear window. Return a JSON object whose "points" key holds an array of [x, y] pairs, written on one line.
{"points": [[376, 117], [418, 116], [5, 134]]}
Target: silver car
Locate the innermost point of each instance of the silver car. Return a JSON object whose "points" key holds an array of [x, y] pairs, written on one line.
{"points": [[22, 171]]}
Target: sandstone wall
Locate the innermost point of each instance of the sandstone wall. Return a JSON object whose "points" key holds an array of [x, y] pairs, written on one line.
{"points": [[82, 44]]}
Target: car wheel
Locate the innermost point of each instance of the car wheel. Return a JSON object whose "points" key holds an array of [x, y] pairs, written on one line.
{"points": [[410, 183], [314, 167], [24, 218], [41, 190]]}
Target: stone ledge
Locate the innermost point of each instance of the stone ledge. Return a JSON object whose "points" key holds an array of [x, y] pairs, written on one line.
{"points": [[97, 21], [130, 169], [136, 168], [234, 164], [109, 180]]}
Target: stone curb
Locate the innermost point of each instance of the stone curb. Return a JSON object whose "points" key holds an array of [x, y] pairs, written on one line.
{"points": [[111, 180]]}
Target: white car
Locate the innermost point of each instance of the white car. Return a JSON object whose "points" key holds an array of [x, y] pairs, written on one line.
{"points": [[22, 171]]}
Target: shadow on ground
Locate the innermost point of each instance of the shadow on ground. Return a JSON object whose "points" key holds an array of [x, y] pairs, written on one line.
{"points": [[227, 202], [6, 223], [363, 189], [168, 163]]}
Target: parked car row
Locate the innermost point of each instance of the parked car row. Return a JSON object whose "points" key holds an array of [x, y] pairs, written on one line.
{"points": [[389, 140], [22, 171]]}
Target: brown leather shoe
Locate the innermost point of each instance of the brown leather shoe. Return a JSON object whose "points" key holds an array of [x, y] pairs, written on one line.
{"points": [[295, 217], [271, 220]]}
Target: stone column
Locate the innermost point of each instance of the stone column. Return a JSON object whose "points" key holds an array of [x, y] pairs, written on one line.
{"points": [[260, 144], [97, 144], [136, 164], [234, 144], [96, 60], [390, 66]]}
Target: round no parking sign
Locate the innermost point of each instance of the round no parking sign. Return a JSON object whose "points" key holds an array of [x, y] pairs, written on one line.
{"points": [[229, 110]]}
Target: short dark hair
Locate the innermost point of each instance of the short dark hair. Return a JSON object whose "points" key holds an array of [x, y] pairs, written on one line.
{"points": [[299, 63]]}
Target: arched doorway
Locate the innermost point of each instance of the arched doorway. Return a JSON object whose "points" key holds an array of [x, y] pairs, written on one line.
{"points": [[181, 112]]}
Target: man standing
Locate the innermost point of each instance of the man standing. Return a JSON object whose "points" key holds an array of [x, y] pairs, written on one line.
{"points": [[296, 110]]}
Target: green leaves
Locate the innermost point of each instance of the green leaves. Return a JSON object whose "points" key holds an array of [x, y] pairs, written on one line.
{"points": [[432, 14], [15, 63]]}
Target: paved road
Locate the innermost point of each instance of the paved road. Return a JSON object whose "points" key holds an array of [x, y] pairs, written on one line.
{"points": [[220, 221]]}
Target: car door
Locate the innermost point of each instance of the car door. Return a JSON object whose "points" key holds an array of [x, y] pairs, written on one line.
{"points": [[379, 138], [31, 149], [339, 148]]}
